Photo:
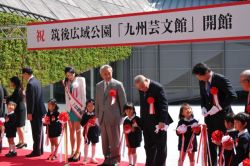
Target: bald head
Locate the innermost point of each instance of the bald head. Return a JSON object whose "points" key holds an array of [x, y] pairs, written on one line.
{"points": [[245, 80], [141, 83]]}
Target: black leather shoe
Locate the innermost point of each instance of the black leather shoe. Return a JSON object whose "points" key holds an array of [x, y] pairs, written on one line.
{"points": [[103, 164], [11, 154], [32, 155]]}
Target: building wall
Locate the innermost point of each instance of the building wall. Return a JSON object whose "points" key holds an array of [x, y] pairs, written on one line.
{"points": [[171, 65]]}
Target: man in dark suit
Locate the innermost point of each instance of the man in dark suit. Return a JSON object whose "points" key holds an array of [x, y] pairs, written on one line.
{"points": [[35, 109], [245, 83], [155, 119], [214, 111]]}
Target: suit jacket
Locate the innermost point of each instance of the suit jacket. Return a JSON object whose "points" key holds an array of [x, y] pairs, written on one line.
{"points": [[156, 90], [34, 99], [111, 114], [226, 93], [1, 101]]}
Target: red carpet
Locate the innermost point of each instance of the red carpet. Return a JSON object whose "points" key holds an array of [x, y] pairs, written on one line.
{"points": [[38, 161]]}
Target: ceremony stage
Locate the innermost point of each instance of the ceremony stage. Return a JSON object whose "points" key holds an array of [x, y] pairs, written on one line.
{"points": [[39, 161]]}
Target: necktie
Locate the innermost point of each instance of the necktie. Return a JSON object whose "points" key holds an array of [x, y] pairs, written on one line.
{"points": [[248, 98], [106, 86], [208, 88]]}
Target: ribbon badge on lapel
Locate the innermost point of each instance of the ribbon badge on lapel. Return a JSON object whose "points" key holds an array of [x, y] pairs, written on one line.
{"points": [[112, 94], [214, 92], [151, 102]]}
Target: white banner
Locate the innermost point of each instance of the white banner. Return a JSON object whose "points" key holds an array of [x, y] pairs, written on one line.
{"points": [[196, 24]]}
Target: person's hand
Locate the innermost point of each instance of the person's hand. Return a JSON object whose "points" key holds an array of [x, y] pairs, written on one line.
{"points": [[6, 119], [214, 110], [182, 129], [30, 117], [228, 147], [204, 111], [161, 125]]}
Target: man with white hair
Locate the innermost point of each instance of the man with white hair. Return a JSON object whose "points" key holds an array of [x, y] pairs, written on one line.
{"points": [[155, 119], [245, 83], [110, 99]]}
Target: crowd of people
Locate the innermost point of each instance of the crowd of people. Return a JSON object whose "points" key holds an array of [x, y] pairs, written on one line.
{"points": [[102, 116]]}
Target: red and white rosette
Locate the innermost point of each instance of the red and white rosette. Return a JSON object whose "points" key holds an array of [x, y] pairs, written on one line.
{"points": [[2, 121], [217, 137], [112, 94], [214, 92], [151, 101], [46, 120], [227, 143], [246, 162], [63, 117], [127, 128]]}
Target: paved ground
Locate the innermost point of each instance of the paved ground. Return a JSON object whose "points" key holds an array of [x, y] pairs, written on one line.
{"points": [[172, 138]]}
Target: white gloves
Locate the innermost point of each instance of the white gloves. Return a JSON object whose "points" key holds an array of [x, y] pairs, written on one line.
{"points": [[97, 122], [204, 111], [182, 129], [157, 128], [194, 125], [214, 110]]}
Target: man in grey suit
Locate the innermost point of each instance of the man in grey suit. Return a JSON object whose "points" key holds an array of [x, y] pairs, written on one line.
{"points": [[110, 99]]}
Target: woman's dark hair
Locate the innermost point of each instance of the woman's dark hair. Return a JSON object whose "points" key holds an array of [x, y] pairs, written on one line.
{"points": [[129, 106], [229, 118], [200, 69], [183, 106], [69, 70], [54, 102], [16, 81], [242, 117]]}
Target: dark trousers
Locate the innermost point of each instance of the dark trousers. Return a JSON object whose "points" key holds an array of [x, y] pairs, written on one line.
{"points": [[214, 122], [37, 135], [156, 148]]}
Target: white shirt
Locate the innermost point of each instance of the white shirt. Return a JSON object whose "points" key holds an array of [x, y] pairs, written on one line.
{"points": [[30, 78], [210, 79], [9, 113], [242, 132], [131, 118]]}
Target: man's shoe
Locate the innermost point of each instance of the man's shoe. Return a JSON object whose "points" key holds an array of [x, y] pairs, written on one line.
{"points": [[103, 164], [32, 155]]}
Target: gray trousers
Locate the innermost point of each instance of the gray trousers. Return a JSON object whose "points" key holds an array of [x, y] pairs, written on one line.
{"points": [[110, 143]]}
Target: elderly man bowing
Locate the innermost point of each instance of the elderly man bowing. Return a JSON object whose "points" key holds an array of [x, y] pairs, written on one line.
{"points": [[155, 119], [110, 99]]}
